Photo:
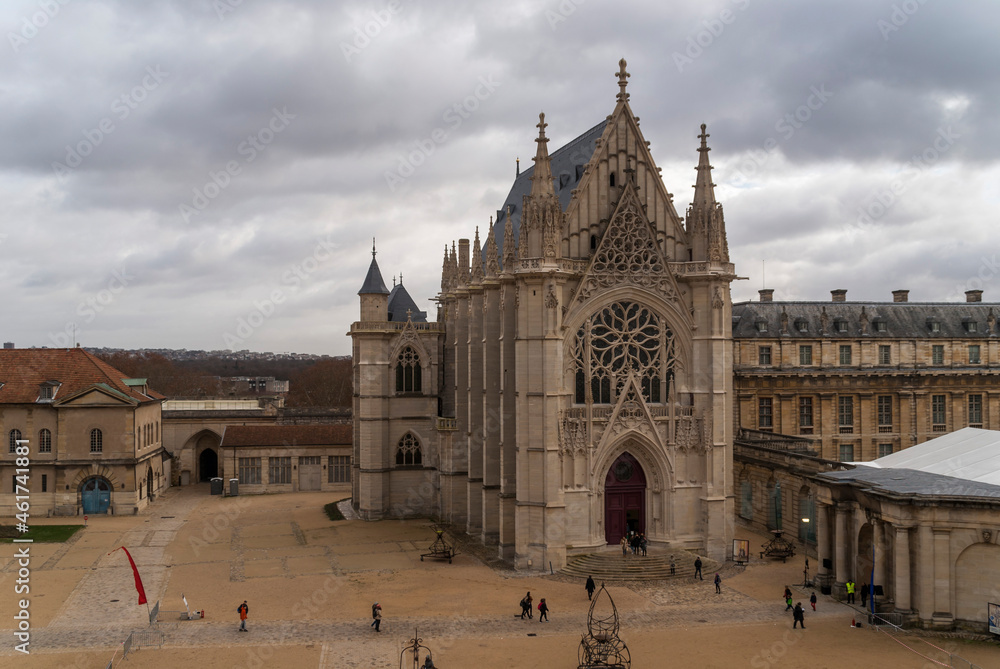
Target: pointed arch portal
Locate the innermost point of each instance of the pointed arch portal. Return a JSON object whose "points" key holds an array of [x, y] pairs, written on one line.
{"points": [[624, 498]]}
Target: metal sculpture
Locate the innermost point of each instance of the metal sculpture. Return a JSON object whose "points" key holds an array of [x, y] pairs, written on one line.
{"points": [[440, 549], [601, 647], [778, 547], [414, 646]]}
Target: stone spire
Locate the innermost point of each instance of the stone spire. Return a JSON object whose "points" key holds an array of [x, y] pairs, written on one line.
{"points": [[508, 243], [704, 189], [445, 272], [453, 266], [491, 253], [541, 178], [476, 275], [622, 81]]}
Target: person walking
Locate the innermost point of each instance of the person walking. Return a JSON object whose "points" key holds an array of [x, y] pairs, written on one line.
{"points": [[376, 616], [812, 600], [864, 594], [798, 616], [244, 611], [526, 606], [788, 602], [673, 566], [624, 545], [718, 583], [697, 569], [643, 544], [543, 611], [850, 591], [590, 587]]}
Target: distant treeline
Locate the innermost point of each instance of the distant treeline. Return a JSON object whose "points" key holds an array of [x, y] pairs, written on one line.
{"points": [[312, 383]]}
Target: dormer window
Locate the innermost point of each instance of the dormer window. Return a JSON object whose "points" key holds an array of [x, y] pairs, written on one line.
{"points": [[840, 325], [761, 325], [934, 326], [47, 390], [45, 393], [880, 326], [971, 326], [802, 325]]}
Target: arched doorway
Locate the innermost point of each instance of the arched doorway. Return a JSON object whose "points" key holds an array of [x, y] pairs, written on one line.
{"points": [[624, 498], [977, 571], [95, 495], [149, 484], [208, 465]]}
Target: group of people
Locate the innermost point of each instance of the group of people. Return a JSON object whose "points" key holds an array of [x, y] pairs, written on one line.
{"points": [[635, 542], [543, 608], [798, 611]]}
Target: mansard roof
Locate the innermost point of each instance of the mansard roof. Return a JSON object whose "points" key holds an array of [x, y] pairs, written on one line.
{"points": [[935, 320], [567, 163], [400, 302]]}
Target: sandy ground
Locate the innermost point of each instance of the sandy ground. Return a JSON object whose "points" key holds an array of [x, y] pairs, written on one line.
{"points": [[310, 584]]}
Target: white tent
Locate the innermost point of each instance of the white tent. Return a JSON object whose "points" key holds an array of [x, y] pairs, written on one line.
{"points": [[970, 453]]}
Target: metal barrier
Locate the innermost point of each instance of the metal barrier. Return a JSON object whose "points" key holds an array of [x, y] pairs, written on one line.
{"points": [[890, 620], [127, 646], [959, 662], [154, 613], [147, 638]]}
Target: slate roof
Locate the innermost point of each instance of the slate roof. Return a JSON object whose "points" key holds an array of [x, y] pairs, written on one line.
{"points": [[567, 163], [912, 483], [399, 302], [23, 371], [373, 281], [245, 436], [902, 319]]}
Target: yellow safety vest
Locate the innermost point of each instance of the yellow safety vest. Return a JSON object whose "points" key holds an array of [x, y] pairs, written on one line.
{"points": [[850, 588]]}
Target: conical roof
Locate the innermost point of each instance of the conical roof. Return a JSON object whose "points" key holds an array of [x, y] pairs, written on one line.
{"points": [[373, 281]]}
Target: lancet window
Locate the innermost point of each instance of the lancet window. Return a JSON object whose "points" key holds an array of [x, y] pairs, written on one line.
{"points": [[408, 371], [623, 338], [408, 451]]}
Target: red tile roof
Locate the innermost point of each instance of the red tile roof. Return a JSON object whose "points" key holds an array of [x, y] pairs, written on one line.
{"points": [[22, 371], [287, 435]]}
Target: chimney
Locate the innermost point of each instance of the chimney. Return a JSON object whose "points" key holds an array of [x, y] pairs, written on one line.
{"points": [[8, 344], [973, 296], [900, 296], [839, 295], [766, 294]]}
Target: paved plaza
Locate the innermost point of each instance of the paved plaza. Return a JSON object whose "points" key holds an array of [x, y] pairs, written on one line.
{"points": [[310, 584]]}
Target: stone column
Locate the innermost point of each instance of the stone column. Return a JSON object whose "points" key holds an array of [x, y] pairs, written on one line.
{"points": [[901, 556], [925, 572], [840, 542], [942, 573], [822, 536], [878, 537]]}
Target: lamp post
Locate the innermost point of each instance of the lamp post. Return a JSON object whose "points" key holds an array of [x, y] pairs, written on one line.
{"points": [[805, 535]]}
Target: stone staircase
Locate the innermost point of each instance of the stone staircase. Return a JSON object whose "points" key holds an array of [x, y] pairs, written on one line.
{"points": [[611, 566]]}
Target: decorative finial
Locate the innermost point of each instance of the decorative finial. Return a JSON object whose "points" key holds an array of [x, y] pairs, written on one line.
{"points": [[541, 128], [622, 80], [518, 160], [400, 278], [704, 138], [373, 248]]}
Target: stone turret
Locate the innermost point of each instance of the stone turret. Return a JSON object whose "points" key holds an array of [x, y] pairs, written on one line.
{"points": [[706, 224], [374, 294], [542, 218]]}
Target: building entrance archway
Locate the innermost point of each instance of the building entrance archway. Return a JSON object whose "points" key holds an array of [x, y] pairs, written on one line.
{"points": [[95, 495], [208, 465], [624, 499]]}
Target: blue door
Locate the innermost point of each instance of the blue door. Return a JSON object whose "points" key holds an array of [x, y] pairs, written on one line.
{"points": [[96, 496]]}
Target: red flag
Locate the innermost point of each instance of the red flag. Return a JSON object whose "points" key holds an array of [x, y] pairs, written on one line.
{"points": [[138, 580]]}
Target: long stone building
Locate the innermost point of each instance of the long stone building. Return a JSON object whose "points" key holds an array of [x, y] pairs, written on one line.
{"points": [[866, 379], [577, 382]]}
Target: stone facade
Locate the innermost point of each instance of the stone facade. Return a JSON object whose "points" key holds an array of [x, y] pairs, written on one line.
{"points": [[94, 436], [866, 379], [577, 383]]}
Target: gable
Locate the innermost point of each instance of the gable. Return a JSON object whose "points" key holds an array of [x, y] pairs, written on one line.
{"points": [[97, 396], [628, 254]]}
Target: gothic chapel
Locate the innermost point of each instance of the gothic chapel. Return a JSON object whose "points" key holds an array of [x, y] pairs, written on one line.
{"points": [[577, 383]]}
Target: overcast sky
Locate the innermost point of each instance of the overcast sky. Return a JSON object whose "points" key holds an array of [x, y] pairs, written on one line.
{"points": [[209, 174]]}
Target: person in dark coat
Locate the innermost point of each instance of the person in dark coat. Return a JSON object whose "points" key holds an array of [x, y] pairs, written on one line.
{"points": [[590, 587], [812, 600], [864, 594], [718, 583], [543, 611], [798, 616], [526, 605], [697, 569]]}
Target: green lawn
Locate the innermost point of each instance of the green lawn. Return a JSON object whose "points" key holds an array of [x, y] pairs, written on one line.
{"points": [[39, 533]]}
